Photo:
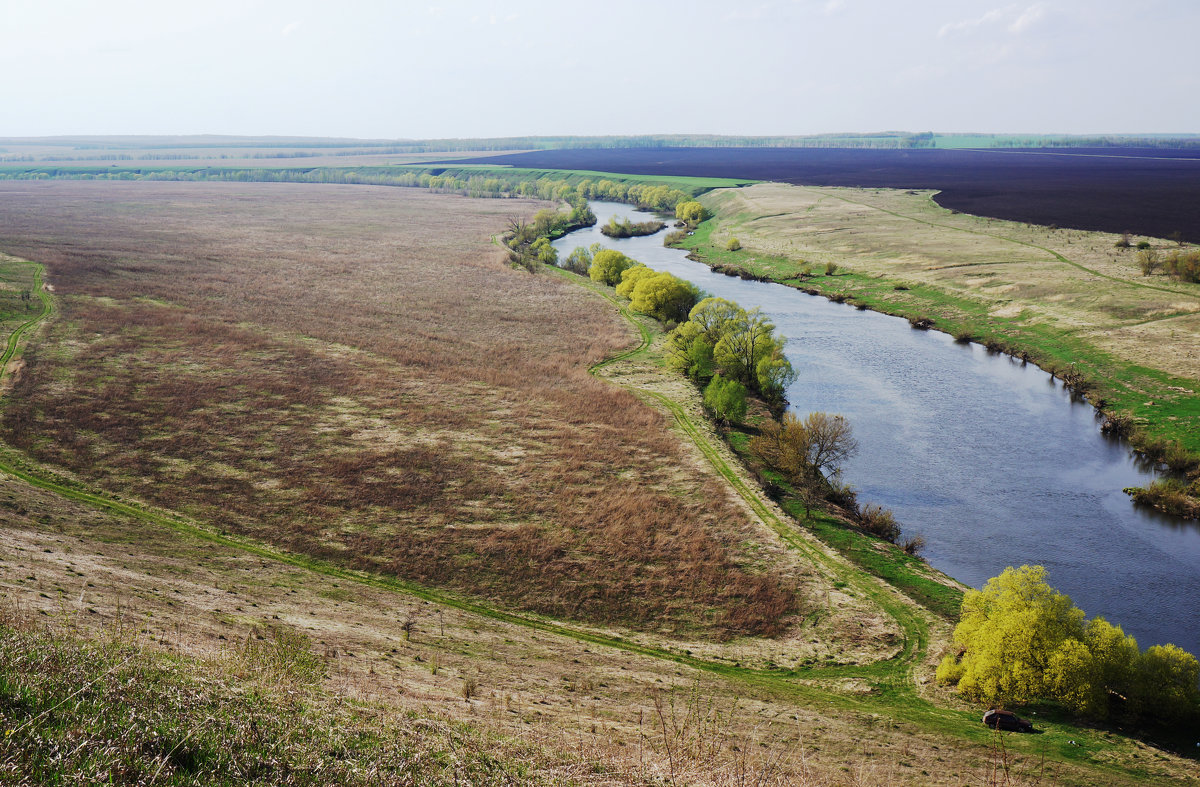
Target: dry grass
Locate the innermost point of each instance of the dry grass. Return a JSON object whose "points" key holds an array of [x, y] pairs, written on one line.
{"points": [[572, 710], [905, 235], [353, 373]]}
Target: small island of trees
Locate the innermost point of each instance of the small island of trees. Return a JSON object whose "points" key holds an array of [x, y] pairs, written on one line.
{"points": [[624, 228]]}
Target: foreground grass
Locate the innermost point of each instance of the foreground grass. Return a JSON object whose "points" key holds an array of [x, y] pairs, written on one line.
{"points": [[114, 711]]}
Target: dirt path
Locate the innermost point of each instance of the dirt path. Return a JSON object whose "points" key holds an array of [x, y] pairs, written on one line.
{"points": [[14, 339]]}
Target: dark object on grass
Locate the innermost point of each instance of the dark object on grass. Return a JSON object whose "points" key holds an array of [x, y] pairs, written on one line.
{"points": [[1006, 720]]}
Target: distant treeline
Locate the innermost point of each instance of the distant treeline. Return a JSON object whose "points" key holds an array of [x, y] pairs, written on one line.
{"points": [[492, 183], [1165, 143], [62, 157]]}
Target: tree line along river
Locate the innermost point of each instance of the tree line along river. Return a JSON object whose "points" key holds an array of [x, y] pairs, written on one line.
{"points": [[990, 459]]}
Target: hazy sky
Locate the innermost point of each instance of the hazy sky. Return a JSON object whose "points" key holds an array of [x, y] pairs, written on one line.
{"points": [[477, 68]]}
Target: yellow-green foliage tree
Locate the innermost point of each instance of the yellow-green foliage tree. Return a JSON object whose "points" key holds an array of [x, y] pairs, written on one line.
{"points": [[544, 252], [659, 294], [743, 344], [689, 351], [630, 277], [666, 297], [608, 265], [691, 212], [749, 346], [715, 317], [726, 399], [1024, 641]]}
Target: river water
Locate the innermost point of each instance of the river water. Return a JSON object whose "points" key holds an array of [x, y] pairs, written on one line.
{"points": [[988, 458]]}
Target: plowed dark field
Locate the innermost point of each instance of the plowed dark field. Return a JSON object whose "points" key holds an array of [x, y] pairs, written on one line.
{"points": [[1140, 190]]}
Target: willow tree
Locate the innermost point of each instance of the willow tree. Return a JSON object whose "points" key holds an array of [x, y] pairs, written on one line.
{"points": [[661, 295], [1023, 641], [630, 277], [608, 265], [691, 212]]}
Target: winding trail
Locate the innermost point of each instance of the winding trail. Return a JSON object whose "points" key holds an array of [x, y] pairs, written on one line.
{"points": [[14, 339], [914, 627]]}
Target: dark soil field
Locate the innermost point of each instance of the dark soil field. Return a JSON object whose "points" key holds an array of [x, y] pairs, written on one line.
{"points": [[356, 374], [1143, 191]]}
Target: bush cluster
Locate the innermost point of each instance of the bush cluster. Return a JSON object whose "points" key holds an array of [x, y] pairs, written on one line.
{"points": [[1170, 495], [528, 242], [1183, 265], [1023, 641], [741, 344]]}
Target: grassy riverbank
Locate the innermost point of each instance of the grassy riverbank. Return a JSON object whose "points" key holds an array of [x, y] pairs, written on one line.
{"points": [[909, 574], [1073, 302]]}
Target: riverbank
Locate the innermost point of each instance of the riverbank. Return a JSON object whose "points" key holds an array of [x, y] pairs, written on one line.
{"points": [[1072, 302]]}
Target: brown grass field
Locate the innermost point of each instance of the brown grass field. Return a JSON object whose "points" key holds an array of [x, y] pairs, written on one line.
{"points": [[354, 374]]}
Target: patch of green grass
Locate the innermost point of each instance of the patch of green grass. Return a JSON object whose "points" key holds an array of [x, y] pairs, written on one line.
{"points": [[116, 712], [886, 561], [19, 281], [19, 314]]}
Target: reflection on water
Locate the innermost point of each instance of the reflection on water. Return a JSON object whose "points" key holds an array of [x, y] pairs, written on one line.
{"points": [[991, 459]]}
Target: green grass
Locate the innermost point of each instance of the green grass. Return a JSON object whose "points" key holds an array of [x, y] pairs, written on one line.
{"points": [[113, 711]]}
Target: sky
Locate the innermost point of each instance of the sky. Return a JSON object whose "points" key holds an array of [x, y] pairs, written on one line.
{"points": [[475, 68]]}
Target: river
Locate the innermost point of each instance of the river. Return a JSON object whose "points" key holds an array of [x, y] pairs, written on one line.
{"points": [[990, 459]]}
